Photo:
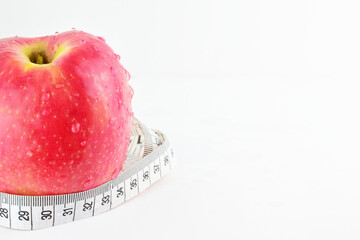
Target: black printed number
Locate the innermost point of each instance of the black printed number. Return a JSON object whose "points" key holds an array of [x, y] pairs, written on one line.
{"points": [[133, 184], [156, 168], [46, 214], [145, 176], [23, 215], [87, 206], [67, 211], [105, 200], [166, 160], [4, 213], [120, 192]]}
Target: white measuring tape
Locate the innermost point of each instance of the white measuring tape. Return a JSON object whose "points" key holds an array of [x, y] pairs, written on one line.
{"points": [[150, 157]]}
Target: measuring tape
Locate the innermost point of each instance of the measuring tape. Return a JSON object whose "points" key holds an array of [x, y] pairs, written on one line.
{"points": [[150, 157]]}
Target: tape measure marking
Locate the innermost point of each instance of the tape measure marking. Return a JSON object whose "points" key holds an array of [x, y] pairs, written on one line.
{"points": [[150, 157]]}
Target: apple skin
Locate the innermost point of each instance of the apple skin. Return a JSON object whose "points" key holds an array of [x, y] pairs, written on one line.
{"points": [[65, 125]]}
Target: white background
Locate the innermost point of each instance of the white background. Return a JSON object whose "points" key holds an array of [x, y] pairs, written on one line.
{"points": [[260, 100]]}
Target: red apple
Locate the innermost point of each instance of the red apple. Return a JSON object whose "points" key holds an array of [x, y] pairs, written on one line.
{"points": [[65, 114]]}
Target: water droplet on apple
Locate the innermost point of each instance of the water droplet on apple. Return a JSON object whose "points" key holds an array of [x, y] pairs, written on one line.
{"points": [[119, 132], [52, 162], [116, 56], [112, 70], [45, 96], [88, 183], [29, 154], [71, 162], [56, 47], [59, 85], [96, 48], [115, 173], [112, 120], [96, 99], [82, 42], [76, 95], [101, 38], [83, 143], [131, 90], [46, 112], [127, 75], [75, 127]]}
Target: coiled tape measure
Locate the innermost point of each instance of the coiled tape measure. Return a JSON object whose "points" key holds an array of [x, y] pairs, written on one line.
{"points": [[150, 157]]}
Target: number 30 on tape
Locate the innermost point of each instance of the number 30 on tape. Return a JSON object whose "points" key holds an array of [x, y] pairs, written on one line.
{"points": [[150, 157]]}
